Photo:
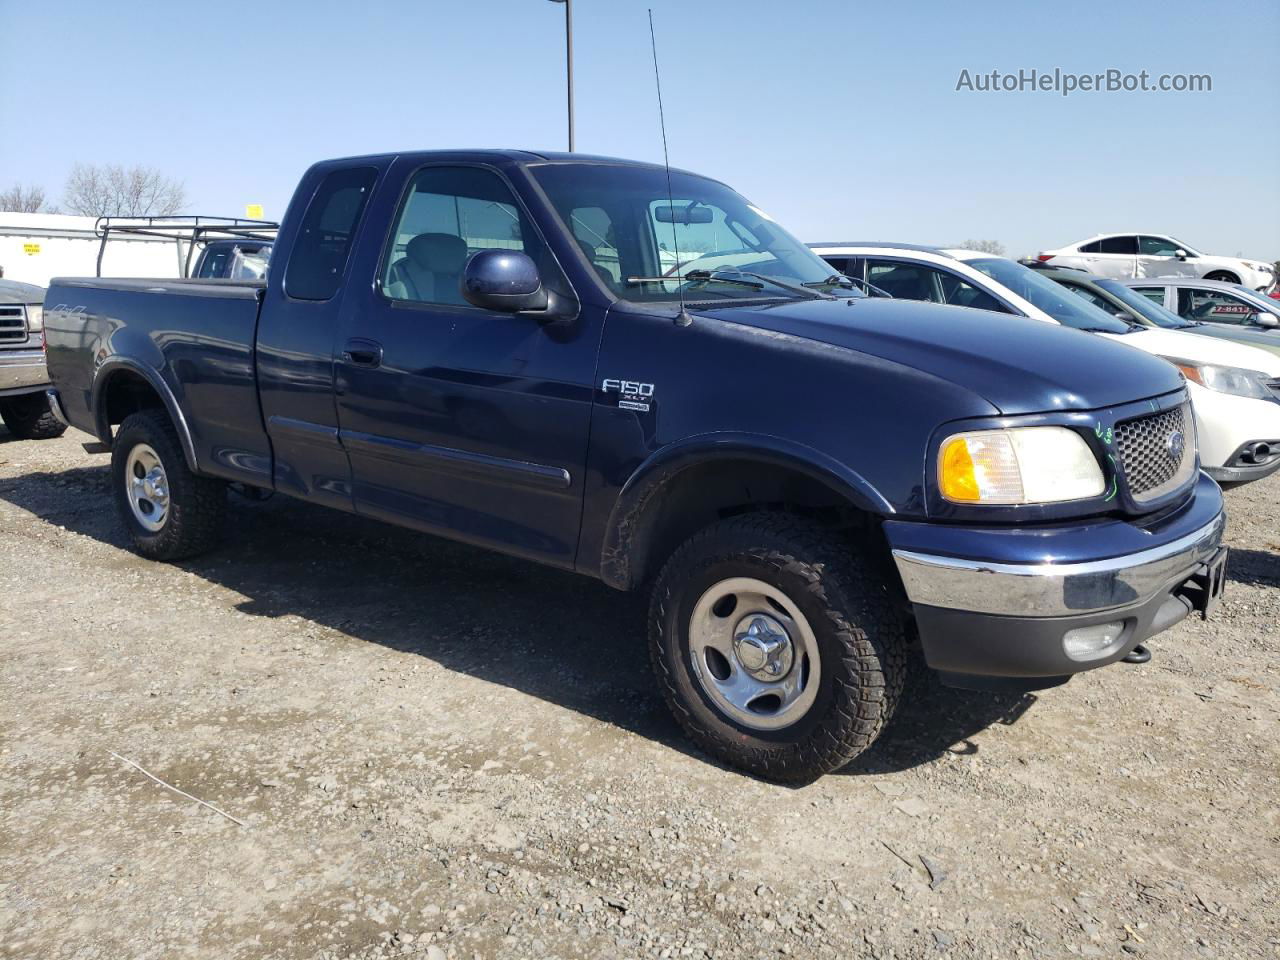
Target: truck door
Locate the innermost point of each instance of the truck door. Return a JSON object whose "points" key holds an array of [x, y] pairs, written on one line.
{"points": [[458, 420], [296, 332]]}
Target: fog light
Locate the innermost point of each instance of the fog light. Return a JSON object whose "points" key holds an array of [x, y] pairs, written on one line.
{"points": [[1093, 643]]}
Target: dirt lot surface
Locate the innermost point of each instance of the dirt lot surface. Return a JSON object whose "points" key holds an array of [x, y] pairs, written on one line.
{"points": [[443, 753]]}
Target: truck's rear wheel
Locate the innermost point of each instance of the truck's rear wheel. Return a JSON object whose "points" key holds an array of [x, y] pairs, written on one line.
{"points": [[169, 511], [28, 417], [778, 647]]}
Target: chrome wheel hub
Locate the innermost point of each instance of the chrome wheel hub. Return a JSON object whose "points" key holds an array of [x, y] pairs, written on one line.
{"points": [[753, 653], [763, 647], [148, 487]]}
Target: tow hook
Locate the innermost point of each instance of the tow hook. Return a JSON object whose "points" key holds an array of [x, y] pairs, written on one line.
{"points": [[1139, 654]]}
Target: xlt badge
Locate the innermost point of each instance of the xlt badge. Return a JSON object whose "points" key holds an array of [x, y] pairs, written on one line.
{"points": [[632, 394]]}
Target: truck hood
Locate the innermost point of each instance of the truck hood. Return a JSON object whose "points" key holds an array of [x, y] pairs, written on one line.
{"points": [[1181, 345], [1016, 364], [14, 291]]}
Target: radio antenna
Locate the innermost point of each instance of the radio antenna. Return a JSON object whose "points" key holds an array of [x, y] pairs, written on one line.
{"points": [[682, 318]]}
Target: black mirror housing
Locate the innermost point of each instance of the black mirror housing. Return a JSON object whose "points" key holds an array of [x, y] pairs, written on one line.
{"points": [[504, 280]]}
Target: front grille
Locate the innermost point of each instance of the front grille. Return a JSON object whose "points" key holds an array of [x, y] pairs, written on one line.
{"points": [[13, 323], [1157, 452]]}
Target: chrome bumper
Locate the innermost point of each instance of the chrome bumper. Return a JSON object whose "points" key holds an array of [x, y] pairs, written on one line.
{"points": [[1055, 590], [22, 368]]}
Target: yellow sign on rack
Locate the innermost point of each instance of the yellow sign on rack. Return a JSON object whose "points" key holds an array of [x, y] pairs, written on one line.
{"points": [[31, 249], [253, 211]]}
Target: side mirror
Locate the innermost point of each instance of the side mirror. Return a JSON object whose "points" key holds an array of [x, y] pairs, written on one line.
{"points": [[1267, 320], [1180, 254], [505, 280]]}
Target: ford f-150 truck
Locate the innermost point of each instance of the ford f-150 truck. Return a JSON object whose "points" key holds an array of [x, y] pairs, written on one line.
{"points": [[640, 376]]}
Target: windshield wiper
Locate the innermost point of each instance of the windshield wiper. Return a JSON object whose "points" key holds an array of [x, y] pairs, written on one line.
{"points": [[801, 289], [699, 276], [734, 276], [843, 279]]}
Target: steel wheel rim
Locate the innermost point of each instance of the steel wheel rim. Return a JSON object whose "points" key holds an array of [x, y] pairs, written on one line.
{"points": [[148, 488], [754, 654]]}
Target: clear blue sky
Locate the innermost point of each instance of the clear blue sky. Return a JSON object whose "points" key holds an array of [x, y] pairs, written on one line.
{"points": [[841, 119]]}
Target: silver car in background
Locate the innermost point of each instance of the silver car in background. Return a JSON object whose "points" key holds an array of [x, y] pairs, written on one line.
{"points": [[23, 376]]}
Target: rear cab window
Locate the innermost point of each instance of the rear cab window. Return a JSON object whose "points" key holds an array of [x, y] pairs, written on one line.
{"points": [[323, 243]]}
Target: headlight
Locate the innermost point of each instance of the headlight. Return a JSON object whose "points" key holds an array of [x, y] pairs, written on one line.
{"points": [[35, 317], [1233, 380], [1018, 465]]}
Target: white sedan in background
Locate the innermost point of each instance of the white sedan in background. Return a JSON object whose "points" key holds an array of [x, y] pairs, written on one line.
{"points": [[1234, 388], [1127, 256]]}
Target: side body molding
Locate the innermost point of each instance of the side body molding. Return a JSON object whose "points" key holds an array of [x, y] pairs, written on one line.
{"points": [[624, 539], [102, 378]]}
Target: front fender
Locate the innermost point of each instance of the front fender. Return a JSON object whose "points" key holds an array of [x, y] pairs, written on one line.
{"points": [[623, 541]]}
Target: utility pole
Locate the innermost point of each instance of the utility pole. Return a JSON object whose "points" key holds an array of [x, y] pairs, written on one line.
{"points": [[568, 59]]}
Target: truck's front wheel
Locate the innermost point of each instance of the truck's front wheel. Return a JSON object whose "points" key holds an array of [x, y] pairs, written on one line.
{"points": [[169, 511], [777, 646], [28, 417]]}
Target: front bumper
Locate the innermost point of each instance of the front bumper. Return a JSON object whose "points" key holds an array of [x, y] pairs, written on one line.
{"points": [[992, 605], [22, 371]]}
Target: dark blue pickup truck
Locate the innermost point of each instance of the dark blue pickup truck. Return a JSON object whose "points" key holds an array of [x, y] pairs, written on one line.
{"points": [[642, 377]]}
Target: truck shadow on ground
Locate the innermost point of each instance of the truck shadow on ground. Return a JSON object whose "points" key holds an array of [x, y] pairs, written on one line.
{"points": [[555, 635], [1257, 567]]}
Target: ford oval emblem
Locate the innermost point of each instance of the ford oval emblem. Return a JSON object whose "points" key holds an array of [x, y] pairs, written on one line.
{"points": [[1176, 445]]}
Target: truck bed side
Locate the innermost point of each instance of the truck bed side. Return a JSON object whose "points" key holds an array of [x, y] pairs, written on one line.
{"points": [[117, 345]]}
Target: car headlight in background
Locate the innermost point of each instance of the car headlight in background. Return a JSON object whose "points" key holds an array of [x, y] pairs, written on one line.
{"points": [[1018, 465], [1233, 380], [35, 317]]}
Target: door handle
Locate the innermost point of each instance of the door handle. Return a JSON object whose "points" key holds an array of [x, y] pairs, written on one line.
{"points": [[363, 353]]}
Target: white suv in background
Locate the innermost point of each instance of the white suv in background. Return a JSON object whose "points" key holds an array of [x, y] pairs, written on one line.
{"points": [[1126, 256], [1234, 388]]}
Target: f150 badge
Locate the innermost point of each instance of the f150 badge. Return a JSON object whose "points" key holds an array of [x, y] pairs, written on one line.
{"points": [[631, 394]]}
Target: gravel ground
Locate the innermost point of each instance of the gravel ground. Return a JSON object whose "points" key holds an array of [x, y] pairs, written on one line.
{"points": [[443, 753]]}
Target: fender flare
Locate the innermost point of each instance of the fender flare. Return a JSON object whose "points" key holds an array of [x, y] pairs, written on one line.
{"points": [[665, 464], [101, 380]]}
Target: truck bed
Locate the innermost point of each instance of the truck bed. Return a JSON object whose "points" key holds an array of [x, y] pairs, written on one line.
{"points": [[193, 341]]}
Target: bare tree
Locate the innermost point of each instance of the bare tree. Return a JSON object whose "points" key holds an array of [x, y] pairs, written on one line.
{"points": [[20, 199], [115, 191], [993, 247]]}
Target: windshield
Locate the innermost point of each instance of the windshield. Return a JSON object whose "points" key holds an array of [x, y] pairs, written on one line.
{"points": [[1144, 306], [1057, 301], [644, 243]]}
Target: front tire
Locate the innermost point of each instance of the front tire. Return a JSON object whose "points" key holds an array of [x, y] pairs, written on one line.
{"points": [[778, 647], [28, 417], [1223, 276], [169, 511]]}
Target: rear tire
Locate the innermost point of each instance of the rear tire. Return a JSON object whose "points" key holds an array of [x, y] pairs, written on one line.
{"points": [[809, 595], [1223, 276], [28, 417], [169, 511]]}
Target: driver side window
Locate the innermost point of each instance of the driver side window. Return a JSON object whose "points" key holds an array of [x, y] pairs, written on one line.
{"points": [[1212, 307], [449, 214], [1157, 247]]}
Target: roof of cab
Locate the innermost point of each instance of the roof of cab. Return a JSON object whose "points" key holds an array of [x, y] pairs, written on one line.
{"points": [[512, 156]]}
